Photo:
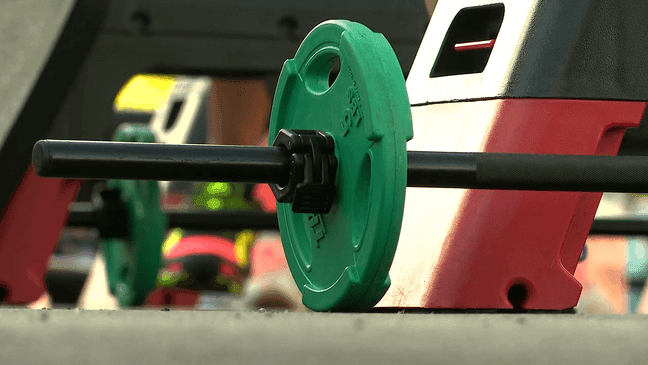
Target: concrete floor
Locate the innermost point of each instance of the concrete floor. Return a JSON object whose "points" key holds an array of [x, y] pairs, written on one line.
{"points": [[62, 336]]}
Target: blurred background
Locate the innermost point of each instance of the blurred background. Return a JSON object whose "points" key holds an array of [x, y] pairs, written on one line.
{"points": [[237, 267], [185, 72], [196, 274], [202, 268]]}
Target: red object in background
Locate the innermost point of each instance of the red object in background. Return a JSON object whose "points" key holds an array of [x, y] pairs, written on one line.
{"points": [[174, 297], [267, 256], [227, 270], [472, 46], [533, 239], [29, 232], [203, 245], [173, 200], [263, 194], [193, 245]]}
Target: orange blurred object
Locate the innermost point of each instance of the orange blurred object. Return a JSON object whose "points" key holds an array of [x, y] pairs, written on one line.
{"points": [[239, 111], [602, 275]]}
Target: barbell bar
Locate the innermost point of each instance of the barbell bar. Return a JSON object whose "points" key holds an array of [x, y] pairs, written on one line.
{"points": [[501, 171]]}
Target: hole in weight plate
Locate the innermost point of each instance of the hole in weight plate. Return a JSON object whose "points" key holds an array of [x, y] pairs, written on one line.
{"points": [[335, 71], [322, 71]]}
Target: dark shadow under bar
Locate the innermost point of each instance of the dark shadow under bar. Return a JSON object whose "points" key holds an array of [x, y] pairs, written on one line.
{"points": [[84, 215]]}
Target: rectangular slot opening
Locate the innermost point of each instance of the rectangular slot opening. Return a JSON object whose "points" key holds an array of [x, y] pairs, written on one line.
{"points": [[469, 41]]}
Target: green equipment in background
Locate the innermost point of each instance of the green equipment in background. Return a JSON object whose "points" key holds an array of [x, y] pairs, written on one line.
{"points": [[133, 260]]}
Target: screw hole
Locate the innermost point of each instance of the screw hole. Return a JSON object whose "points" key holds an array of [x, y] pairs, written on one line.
{"points": [[518, 295], [4, 293]]}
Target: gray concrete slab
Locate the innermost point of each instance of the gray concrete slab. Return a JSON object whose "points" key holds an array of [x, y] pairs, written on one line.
{"points": [[218, 337]]}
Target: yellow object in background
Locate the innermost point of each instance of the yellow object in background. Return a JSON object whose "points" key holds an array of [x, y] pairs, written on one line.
{"points": [[242, 246], [144, 93], [173, 237]]}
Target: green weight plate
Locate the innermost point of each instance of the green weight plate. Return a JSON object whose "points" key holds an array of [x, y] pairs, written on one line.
{"points": [[341, 260], [132, 267]]}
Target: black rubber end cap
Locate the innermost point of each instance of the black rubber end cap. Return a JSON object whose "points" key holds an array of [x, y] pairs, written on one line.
{"points": [[41, 158]]}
